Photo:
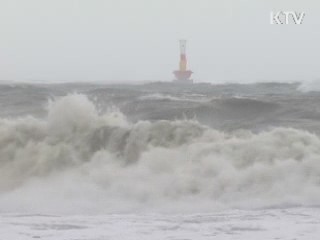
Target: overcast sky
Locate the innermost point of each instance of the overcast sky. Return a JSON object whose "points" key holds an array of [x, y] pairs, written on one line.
{"points": [[137, 40]]}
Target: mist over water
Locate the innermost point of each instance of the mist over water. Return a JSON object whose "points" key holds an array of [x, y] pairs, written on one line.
{"points": [[86, 152]]}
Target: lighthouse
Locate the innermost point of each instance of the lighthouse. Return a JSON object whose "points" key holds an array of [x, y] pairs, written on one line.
{"points": [[183, 74]]}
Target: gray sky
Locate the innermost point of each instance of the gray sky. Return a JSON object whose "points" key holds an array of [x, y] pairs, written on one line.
{"points": [[137, 40]]}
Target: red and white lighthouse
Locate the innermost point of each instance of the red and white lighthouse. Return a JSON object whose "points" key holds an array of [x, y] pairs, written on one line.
{"points": [[183, 75]]}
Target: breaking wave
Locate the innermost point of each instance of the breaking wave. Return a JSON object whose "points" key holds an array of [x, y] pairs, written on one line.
{"points": [[77, 160], [166, 97], [309, 86]]}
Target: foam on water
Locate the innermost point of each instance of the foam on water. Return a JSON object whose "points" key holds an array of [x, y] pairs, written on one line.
{"points": [[310, 86], [77, 160]]}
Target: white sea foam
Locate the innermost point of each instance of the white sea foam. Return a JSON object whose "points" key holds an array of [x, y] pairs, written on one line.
{"points": [[310, 86], [77, 160], [185, 97]]}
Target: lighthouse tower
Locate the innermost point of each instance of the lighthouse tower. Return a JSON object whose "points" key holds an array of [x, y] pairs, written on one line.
{"points": [[183, 75]]}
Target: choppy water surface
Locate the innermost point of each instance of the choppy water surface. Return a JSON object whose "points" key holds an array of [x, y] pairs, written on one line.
{"points": [[79, 149]]}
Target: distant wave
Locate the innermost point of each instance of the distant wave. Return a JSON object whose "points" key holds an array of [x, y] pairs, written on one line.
{"points": [[189, 97], [77, 160], [243, 103], [310, 86]]}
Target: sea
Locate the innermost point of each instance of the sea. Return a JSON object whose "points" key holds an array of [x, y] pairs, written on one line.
{"points": [[95, 161]]}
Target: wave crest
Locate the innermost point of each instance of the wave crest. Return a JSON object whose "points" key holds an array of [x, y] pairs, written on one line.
{"points": [[80, 160]]}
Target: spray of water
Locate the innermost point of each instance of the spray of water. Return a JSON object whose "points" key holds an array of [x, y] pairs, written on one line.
{"points": [[77, 160]]}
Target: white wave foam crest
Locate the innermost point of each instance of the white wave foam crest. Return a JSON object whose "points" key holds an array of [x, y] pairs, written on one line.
{"points": [[79, 161], [310, 86], [185, 97]]}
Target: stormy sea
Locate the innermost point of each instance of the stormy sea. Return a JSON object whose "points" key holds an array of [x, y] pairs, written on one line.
{"points": [[159, 161]]}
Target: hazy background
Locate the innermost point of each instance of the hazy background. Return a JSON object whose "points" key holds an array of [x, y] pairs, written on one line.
{"points": [[136, 40]]}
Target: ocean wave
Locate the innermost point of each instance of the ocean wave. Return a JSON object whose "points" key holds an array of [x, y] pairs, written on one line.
{"points": [[77, 160], [167, 97], [309, 86]]}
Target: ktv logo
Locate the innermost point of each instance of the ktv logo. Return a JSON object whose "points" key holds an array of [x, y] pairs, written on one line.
{"points": [[284, 17]]}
